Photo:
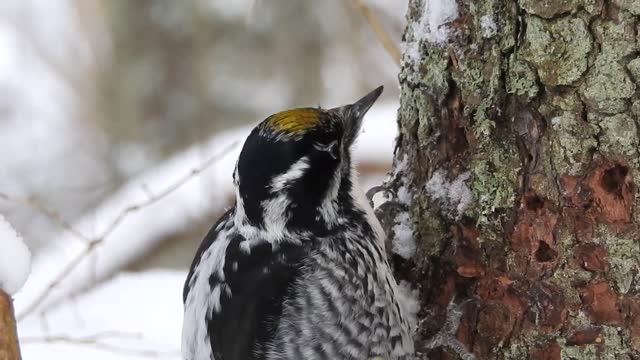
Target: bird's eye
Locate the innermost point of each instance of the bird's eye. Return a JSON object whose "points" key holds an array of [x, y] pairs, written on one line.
{"points": [[331, 148]]}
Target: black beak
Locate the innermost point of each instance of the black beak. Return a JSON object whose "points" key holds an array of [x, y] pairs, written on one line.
{"points": [[354, 113]]}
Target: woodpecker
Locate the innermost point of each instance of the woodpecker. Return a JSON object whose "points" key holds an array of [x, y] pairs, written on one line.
{"points": [[296, 269]]}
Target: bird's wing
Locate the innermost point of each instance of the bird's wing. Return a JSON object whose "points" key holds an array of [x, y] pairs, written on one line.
{"points": [[252, 293]]}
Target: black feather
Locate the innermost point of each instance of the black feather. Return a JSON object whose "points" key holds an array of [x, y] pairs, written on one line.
{"points": [[259, 283]]}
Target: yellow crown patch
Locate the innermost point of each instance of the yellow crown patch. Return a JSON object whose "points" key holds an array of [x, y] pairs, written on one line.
{"points": [[294, 121]]}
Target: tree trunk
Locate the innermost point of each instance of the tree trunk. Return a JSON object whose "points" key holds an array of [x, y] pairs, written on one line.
{"points": [[9, 349], [516, 171]]}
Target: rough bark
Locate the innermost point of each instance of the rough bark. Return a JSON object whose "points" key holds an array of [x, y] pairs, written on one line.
{"points": [[518, 164], [9, 348]]}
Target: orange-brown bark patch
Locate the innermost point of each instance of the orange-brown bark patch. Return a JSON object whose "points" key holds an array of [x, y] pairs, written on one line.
{"points": [[494, 326], [600, 302], [498, 316], [632, 324], [591, 257], [613, 193], [532, 239], [468, 321], [585, 336], [468, 256], [548, 310], [605, 194]]}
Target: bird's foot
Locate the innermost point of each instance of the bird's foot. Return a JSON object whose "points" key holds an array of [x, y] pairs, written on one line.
{"points": [[375, 190], [390, 203]]}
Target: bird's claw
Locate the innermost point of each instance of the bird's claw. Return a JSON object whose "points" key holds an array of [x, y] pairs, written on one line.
{"points": [[376, 189]]}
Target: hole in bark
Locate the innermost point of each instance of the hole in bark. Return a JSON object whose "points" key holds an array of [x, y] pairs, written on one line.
{"points": [[458, 139], [534, 202], [545, 253], [613, 179]]}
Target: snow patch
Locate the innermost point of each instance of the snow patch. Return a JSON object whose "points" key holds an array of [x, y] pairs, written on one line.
{"points": [[403, 193], [138, 314], [432, 25], [15, 258], [455, 195], [556, 121], [403, 243], [488, 25]]}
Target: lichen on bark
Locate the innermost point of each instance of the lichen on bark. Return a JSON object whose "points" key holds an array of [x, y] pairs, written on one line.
{"points": [[535, 104]]}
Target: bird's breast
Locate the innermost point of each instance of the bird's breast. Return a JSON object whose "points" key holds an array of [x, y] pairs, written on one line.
{"points": [[343, 307]]}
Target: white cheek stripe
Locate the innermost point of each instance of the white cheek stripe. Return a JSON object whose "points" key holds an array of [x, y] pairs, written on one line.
{"points": [[294, 173], [329, 206], [274, 210]]}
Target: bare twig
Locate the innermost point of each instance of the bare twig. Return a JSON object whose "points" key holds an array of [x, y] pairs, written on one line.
{"points": [[155, 198], [93, 242], [100, 336], [100, 341], [53, 215], [381, 34]]}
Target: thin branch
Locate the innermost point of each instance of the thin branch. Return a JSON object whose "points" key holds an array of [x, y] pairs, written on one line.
{"points": [[68, 268], [100, 336], [53, 215], [381, 34], [92, 243], [99, 341], [155, 198]]}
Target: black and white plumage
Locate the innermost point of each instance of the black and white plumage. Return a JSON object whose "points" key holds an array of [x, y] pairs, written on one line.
{"points": [[297, 268]]}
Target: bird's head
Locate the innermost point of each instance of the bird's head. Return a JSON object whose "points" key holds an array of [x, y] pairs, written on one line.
{"points": [[295, 169]]}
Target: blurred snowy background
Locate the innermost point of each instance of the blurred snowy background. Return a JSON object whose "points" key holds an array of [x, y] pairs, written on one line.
{"points": [[118, 121]]}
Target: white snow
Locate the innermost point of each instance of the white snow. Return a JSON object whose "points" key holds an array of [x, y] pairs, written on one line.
{"points": [[132, 316], [556, 121], [432, 25], [15, 258], [488, 25], [403, 194], [403, 242], [208, 193], [455, 196]]}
